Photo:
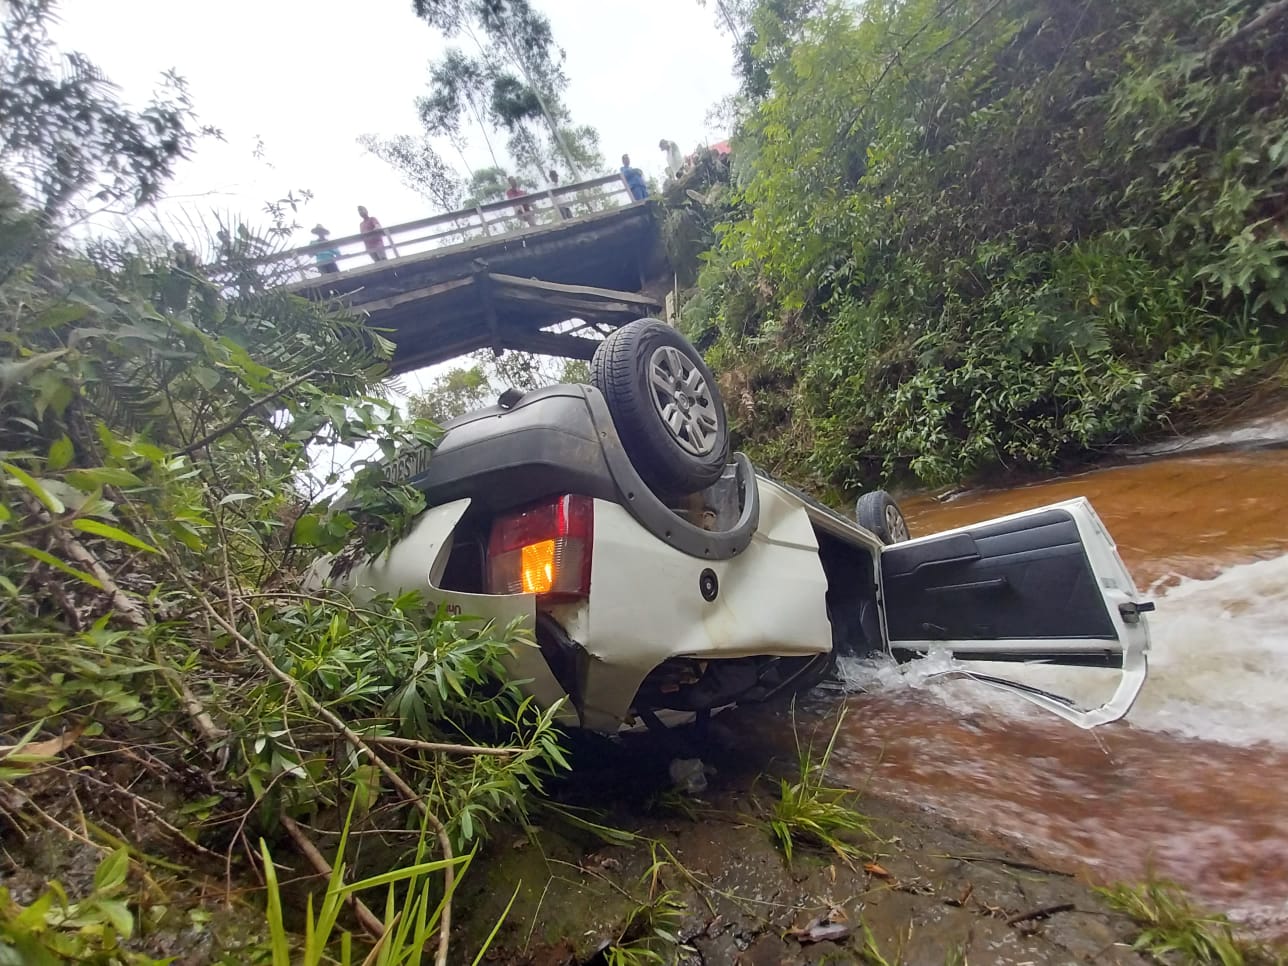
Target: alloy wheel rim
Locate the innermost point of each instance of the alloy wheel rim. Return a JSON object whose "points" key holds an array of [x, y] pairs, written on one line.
{"points": [[683, 400], [896, 525]]}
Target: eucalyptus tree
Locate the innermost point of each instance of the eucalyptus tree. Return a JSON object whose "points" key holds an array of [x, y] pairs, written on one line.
{"points": [[515, 83]]}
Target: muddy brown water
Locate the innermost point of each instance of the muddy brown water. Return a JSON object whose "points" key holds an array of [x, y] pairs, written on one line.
{"points": [[1193, 786]]}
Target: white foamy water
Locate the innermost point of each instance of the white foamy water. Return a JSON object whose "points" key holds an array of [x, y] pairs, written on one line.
{"points": [[1270, 429], [1218, 665]]}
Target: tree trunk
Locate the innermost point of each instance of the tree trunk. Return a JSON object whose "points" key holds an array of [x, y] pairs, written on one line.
{"points": [[545, 108], [478, 119]]}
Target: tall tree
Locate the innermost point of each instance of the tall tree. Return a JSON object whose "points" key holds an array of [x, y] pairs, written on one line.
{"points": [[455, 392], [763, 34], [520, 68], [421, 166], [463, 389], [512, 88], [457, 84], [486, 184]]}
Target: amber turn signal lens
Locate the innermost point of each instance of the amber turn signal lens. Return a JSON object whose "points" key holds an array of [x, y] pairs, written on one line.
{"points": [[543, 550], [537, 563]]}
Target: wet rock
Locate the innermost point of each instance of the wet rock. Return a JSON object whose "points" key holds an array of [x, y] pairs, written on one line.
{"points": [[688, 775], [821, 930]]}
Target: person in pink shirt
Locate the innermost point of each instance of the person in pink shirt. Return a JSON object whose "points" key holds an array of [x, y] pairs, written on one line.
{"points": [[523, 211], [373, 235]]}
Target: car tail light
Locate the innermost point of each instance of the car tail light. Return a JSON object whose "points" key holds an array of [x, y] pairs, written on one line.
{"points": [[543, 550]]}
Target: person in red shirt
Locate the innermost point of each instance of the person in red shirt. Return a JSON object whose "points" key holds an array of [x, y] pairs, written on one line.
{"points": [[524, 211], [373, 235]]}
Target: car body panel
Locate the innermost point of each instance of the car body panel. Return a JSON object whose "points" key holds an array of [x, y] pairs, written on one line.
{"points": [[417, 559], [646, 606]]}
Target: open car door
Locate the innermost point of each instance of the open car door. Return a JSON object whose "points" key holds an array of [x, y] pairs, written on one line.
{"points": [[1046, 585]]}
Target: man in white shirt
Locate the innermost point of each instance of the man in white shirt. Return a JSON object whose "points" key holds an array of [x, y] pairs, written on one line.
{"points": [[674, 160]]}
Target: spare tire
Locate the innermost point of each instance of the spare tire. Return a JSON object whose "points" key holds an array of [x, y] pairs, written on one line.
{"points": [[878, 512], [665, 404]]}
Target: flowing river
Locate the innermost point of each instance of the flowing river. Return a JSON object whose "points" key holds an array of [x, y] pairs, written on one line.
{"points": [[1193, 786]]}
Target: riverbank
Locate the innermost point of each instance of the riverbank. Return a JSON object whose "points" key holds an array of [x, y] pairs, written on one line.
{"points": [[1014, 271], [705, 870], [1260, 425]]}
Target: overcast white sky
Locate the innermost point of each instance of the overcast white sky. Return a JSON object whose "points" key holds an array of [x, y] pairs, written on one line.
{"points": [[309, 77]]}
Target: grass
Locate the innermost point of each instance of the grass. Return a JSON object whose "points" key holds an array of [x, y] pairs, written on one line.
{"points": [[1172, 930], [409, 924], [672, 801], [651, 933], [872, 953], [809, 810]]}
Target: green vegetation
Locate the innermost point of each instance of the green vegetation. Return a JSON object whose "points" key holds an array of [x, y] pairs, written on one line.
{"points": [[969, 235], [53, 929], [169, 685], [1172, 930], [462, 389], [512, 88], [872, 953], [812, 811], [651, 932], [407, 926]]}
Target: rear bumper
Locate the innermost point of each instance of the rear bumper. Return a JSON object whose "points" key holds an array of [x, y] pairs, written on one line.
{"points": [[646, 603]]}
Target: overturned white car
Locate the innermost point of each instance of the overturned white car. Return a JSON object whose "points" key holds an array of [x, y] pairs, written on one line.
{"points": [[659, 575]]}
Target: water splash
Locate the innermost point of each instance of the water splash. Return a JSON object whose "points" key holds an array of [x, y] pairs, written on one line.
{"points": [[1220, 658], [1218, 667]]}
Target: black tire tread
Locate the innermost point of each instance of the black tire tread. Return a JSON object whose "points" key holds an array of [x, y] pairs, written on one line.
{"points": [[612, 371], [872, 504]]}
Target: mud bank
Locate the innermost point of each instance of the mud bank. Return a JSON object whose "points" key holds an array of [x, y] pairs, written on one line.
{"points": [[705, 870]]}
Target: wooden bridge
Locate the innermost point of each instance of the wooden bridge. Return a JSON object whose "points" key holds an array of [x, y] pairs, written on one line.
{"points": [[550, 272]]}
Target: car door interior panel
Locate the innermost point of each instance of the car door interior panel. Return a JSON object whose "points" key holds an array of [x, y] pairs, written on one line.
{"points": [[1025, 578]]}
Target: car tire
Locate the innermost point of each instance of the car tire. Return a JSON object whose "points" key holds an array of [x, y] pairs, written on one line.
{"points": [[878, 512], [666, 406]]}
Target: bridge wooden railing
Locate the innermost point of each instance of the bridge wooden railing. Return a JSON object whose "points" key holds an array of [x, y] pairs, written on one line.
{"points": [[494, 219]]}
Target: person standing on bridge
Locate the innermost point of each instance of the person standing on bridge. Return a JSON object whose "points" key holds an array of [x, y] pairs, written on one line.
{"points": [[373, 235], [674, 159], [553, 176], [523, 211], [325, 257], [634, 179]]}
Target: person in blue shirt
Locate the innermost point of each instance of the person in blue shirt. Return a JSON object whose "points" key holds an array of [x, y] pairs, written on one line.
{"points": [[325, 258], [634, 179]]}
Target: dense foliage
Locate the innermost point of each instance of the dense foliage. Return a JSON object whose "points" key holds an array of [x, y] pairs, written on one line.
{"points": [[980, 233], [61, 129], [169, 438]]}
